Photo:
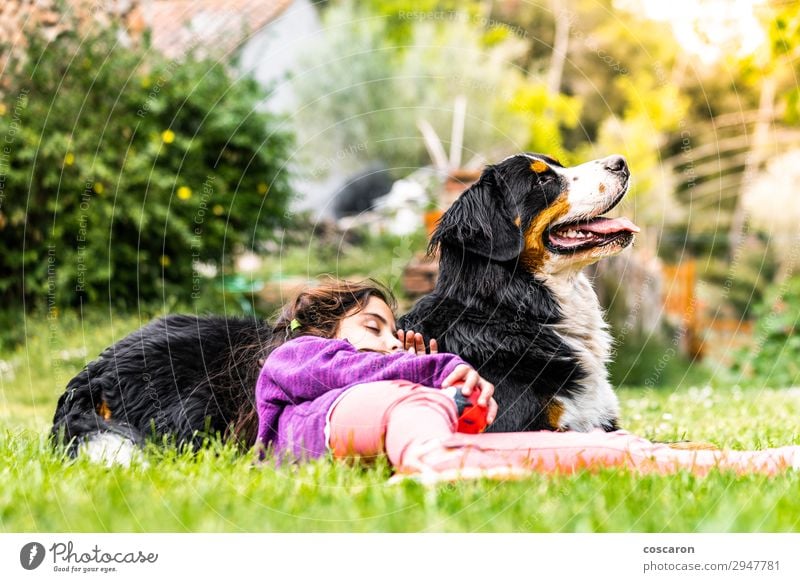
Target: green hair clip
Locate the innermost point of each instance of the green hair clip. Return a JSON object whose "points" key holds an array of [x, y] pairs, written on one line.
{"points": [[294, 324]]}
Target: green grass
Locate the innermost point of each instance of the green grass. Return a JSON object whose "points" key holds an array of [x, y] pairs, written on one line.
{"points": [[218, 490]]}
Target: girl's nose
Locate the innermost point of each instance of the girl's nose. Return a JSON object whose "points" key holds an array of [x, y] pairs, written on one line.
{"points": [[395, 345]]}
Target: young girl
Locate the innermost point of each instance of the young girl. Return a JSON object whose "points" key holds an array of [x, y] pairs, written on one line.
{"points": [[346, 381]]}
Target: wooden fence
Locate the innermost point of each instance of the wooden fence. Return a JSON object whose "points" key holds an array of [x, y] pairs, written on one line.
{"points": [[703, 332]]}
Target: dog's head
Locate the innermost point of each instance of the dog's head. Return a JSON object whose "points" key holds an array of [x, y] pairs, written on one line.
{"points": [[532, 209]]}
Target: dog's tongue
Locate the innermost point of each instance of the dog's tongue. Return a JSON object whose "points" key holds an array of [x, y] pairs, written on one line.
{"points": [[609, 225]]}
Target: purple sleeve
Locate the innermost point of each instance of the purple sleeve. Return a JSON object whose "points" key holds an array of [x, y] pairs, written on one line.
{"points": [[308, 367]]}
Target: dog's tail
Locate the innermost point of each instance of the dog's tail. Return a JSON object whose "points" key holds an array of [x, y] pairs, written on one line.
{"points": [[83, 424]]}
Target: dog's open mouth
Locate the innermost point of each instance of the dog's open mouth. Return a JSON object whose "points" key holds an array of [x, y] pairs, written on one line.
{"points": [[597, 232]]}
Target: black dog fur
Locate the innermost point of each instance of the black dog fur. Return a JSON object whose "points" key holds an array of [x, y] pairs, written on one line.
{"points": [[182, 378], [489, 309]]}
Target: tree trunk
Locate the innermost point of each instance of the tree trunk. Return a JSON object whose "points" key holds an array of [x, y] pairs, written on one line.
{"points": [[560, 46]]}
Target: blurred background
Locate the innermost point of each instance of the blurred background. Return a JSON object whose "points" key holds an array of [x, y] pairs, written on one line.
{"points": [[211, 156]]}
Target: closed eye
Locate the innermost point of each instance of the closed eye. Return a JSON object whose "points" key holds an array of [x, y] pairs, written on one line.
{"points": [[375, 323]]}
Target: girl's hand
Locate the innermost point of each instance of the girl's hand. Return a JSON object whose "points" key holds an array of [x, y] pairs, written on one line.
{"points": [[470, 379], [414, 343]]}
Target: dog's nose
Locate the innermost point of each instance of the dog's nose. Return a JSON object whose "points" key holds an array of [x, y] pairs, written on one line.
{"points": [[616, 164]]}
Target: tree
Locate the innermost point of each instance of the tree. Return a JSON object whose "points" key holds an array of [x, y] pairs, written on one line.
{"points": [[378, 69], [778, 56]]}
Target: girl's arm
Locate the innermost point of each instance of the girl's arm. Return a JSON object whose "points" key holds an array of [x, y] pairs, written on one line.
{"points": [[308, 367]]}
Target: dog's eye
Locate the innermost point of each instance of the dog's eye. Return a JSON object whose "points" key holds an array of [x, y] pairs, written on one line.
{"points": [[544, 173]]}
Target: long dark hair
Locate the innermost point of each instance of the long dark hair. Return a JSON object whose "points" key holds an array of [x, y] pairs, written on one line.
{"points": [[315, 311]]}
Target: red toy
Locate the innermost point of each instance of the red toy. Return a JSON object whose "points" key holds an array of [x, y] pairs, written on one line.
{"points": [[471, 416]]}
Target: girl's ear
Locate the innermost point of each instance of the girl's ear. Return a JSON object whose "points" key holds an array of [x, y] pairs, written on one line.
{"points": [[480, 222]]}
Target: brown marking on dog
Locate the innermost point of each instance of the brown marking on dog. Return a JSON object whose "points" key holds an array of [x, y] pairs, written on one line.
{"points": [[602, 188], [534, 254], [539, 166], [104, 411], [554, 411], [518, 220]]}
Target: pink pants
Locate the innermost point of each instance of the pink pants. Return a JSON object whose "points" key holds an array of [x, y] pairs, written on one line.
{"points": [[415, 427]]}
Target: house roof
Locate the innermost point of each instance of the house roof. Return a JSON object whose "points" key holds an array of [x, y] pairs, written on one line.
{"points": [[176, 25], [218, 25]]}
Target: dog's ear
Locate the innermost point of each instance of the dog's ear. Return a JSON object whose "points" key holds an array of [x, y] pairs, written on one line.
{"points": [[480, 221]]}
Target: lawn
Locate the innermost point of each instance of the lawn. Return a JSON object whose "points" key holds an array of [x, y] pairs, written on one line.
{"points": [[218, 490]]}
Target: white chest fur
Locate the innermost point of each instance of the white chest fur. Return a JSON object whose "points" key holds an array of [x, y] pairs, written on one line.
{"points": [[586, 332]]}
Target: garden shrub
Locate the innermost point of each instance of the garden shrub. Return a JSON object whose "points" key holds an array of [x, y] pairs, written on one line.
{"points": [[774, 357], [124, 176]]}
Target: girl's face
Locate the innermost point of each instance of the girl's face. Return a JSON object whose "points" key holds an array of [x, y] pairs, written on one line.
{"points": [[371, 329]]}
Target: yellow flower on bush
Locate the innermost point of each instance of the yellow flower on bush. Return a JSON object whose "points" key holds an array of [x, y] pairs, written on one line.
{"points": [[218, 210], [263, 188], [164, 261], [69, 159], [168, 136], [184, 192], [99, 188], [3, 109]]}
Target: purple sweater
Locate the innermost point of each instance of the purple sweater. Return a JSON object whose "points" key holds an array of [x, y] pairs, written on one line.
{"points": [[302, 379]]}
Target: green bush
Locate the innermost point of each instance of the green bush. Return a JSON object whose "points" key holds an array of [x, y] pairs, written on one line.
{"points": [[774, 359], [652, 361], [121, 172]]}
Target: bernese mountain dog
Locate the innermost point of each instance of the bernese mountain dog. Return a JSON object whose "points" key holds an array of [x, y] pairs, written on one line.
{"points": [[510, 299]]}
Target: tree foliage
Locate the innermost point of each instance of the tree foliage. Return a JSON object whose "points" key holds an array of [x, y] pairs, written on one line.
{"points": [[379, 68]]}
